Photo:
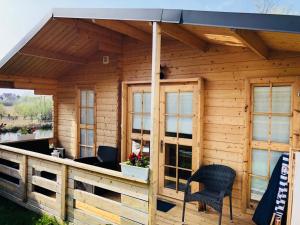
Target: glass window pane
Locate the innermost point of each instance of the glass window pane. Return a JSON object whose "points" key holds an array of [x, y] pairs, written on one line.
{"points": [[185, 125], [83, 136], [258, 188], [170, 154], [83, 152], [136, 122], [260, 128], [186, 103], [274, 159], [90, 116], [83, 116], [86, 152], [260, 162], [261, 99], [137, 102], [185, 157], [183, 175], [170, 178], [280, 129], [90, 98], [83, 98], [90, 137], [281, 99], [146, 123], [136, 146], [146, 148], [171, 124], [171, 102], [147, 102]]}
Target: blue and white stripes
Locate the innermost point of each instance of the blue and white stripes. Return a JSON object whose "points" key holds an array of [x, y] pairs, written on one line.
{"points": [[282, 194]]}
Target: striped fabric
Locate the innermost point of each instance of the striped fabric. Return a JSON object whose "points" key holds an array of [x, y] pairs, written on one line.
{"points": [[283, 188]]}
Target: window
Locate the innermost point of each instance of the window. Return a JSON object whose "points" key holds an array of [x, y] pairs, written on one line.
{"points": [[139, 117], [87, 123], [270, 116]]}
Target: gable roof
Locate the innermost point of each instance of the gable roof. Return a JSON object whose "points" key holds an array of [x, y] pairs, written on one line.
{"points": [[248, 21]]}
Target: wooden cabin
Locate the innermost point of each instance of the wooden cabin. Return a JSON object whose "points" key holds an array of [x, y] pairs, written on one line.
{"points": [[212, 87]]}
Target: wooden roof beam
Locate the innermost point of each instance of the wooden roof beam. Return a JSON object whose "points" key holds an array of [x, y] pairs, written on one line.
{"points": [[45, 54], [184, 36], [125, 29], [93, 28], [252, 41]]}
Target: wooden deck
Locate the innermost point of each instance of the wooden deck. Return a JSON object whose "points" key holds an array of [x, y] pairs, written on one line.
{"points": [[194, 217]]}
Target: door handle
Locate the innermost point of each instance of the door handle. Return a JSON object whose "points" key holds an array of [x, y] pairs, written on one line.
{"points": [[161, 146]]}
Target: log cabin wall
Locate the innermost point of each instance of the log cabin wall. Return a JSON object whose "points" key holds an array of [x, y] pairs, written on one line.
{"points": [[224, 69], [105, 80]]}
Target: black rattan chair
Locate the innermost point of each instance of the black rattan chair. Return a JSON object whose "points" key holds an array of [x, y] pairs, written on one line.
{"points": [[217, 181], [106, 157]]}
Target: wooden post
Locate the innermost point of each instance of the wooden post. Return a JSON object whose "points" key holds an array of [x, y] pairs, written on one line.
{"points": [[124, 123], [63, 186], [154, 137], [24, 177]]}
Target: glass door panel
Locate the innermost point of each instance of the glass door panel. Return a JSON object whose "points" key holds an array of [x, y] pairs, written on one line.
{"points": [[178, 110]]}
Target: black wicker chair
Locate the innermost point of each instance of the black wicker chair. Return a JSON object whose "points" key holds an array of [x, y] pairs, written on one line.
{"points": [[217, 181], [106, 157]]}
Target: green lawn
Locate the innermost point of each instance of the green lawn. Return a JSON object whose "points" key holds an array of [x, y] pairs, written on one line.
{"points": [[12, 214]]}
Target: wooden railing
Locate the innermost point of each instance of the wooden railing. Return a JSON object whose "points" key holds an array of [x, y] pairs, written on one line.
{"points": [[71, 191]]}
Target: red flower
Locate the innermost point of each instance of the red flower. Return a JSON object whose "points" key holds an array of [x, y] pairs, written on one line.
{"points": [[132, 157], [139, 156]]}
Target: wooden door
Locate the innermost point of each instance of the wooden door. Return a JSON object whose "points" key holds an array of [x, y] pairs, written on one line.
{"points": [[179, 154]]}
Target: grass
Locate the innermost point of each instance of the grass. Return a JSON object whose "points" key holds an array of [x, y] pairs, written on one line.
{"points": [[12, 214]]}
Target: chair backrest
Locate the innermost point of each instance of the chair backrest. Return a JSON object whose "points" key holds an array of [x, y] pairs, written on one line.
{"points": [[216, 177], [107, 154]]}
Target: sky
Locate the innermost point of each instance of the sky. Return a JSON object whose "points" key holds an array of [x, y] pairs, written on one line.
{"points": [[18, 17]]}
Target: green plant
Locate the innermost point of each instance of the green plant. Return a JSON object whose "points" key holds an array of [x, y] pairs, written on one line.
{"points": [[27, 130], [138, 160]]}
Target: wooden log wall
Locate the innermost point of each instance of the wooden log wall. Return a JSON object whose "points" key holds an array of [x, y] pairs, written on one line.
{"points": [[67, 189], [104, 79], [225, 70]]}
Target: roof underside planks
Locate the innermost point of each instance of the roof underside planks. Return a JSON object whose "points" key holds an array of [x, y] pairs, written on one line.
{"points": [[65, 43]]}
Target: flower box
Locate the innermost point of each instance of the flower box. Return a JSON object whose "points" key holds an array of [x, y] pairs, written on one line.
{"points": [[135, 171], [23, 137]]}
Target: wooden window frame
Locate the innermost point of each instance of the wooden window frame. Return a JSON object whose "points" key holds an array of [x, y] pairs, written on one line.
{"points": [[85, 126], [249, 144], [127, 136]]}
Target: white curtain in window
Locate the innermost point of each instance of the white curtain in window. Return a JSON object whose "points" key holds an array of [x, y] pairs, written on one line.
{"points": [[146, 102], [90, 98], [261, 99], [260, 162], [185, 125], [260, 128], [281, 99], [171, 102], [171, 124], [280, 129], [186, 103], [137, 102], [258, 188], [83, 99], [137, 122]]}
